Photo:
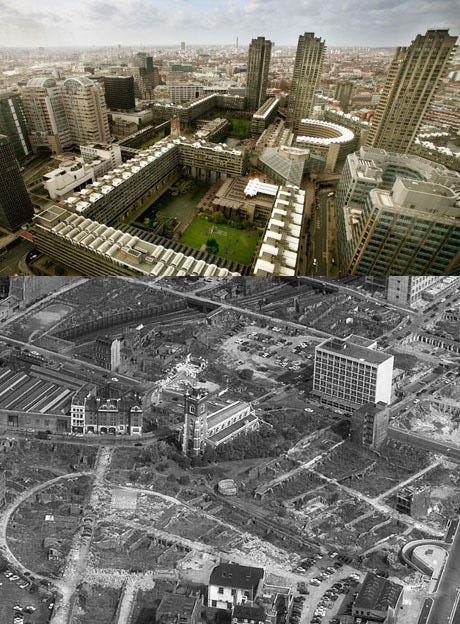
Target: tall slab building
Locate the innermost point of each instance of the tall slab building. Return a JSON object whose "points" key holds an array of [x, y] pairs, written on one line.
{"points": [[411, 83], [15, 205], [13, 123], [260, 51], [307, 71]]}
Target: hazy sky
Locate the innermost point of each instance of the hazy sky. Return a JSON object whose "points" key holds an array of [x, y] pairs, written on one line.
{"points": [[160, 22]]}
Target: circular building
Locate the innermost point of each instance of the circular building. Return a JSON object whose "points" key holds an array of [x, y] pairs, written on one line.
{"points": [[328, 142]]}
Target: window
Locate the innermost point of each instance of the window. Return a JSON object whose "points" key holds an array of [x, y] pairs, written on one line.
{"points": [[233, 592], [214, 603], [220, 590]]}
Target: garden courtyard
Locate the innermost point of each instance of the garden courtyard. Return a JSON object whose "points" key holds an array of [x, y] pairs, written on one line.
{"points": [[237, 245]]}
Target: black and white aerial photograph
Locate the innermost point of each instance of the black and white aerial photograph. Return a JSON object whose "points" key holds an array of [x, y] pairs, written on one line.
{"points": [[229, 312], [229, 449]]}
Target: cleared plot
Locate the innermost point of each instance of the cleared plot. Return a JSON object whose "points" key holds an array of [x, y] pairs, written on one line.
{"points": [[124, 499], [96, 605], [373, 474]]}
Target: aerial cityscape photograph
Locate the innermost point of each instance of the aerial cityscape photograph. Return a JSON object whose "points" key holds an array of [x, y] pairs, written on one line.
{"points": [[229, 312]]}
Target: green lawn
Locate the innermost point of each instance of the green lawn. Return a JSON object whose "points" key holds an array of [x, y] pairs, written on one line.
{"points": [[234, 244], [241, 128]]}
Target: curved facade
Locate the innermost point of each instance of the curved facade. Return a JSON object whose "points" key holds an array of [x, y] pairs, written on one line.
{"points": [[326, 141]]}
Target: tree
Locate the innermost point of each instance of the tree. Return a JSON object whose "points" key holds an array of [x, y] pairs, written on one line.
{"points": [[212, 246], [245, 373]]}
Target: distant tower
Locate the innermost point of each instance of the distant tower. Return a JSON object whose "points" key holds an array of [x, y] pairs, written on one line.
{"points": [[237, 43], [195, 422], [343, 90], [260, 50], [307, 71], [182, 46], [411, 83], [175, 127], [15, 205]]}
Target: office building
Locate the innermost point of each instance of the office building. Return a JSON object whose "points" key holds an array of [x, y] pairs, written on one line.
{"points": [[202, 427], [86, 111], [371, 168], [407, 290], [260, 50], [411, 83], [13, 123], [65, 114], [307, 71], [378, 599], [46, 115], [179, 93], [15, 205], [413, 229], [119, 92], [106, 410], [350, 372], [233, 584], [369, 425]]}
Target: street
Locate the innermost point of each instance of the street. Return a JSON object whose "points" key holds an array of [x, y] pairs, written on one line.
{"points": [[12, 260]]}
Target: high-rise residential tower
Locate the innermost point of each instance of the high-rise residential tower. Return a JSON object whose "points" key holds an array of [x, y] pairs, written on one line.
{"points": [[13, 123], [307, 71], [15, 205], [260, 50], [411, 83]]}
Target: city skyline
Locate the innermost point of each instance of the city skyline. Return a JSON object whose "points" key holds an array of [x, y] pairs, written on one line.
{"points": [[379, 23]]}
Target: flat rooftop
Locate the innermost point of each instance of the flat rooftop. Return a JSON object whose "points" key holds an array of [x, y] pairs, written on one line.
{"points": [[348, 349]]}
